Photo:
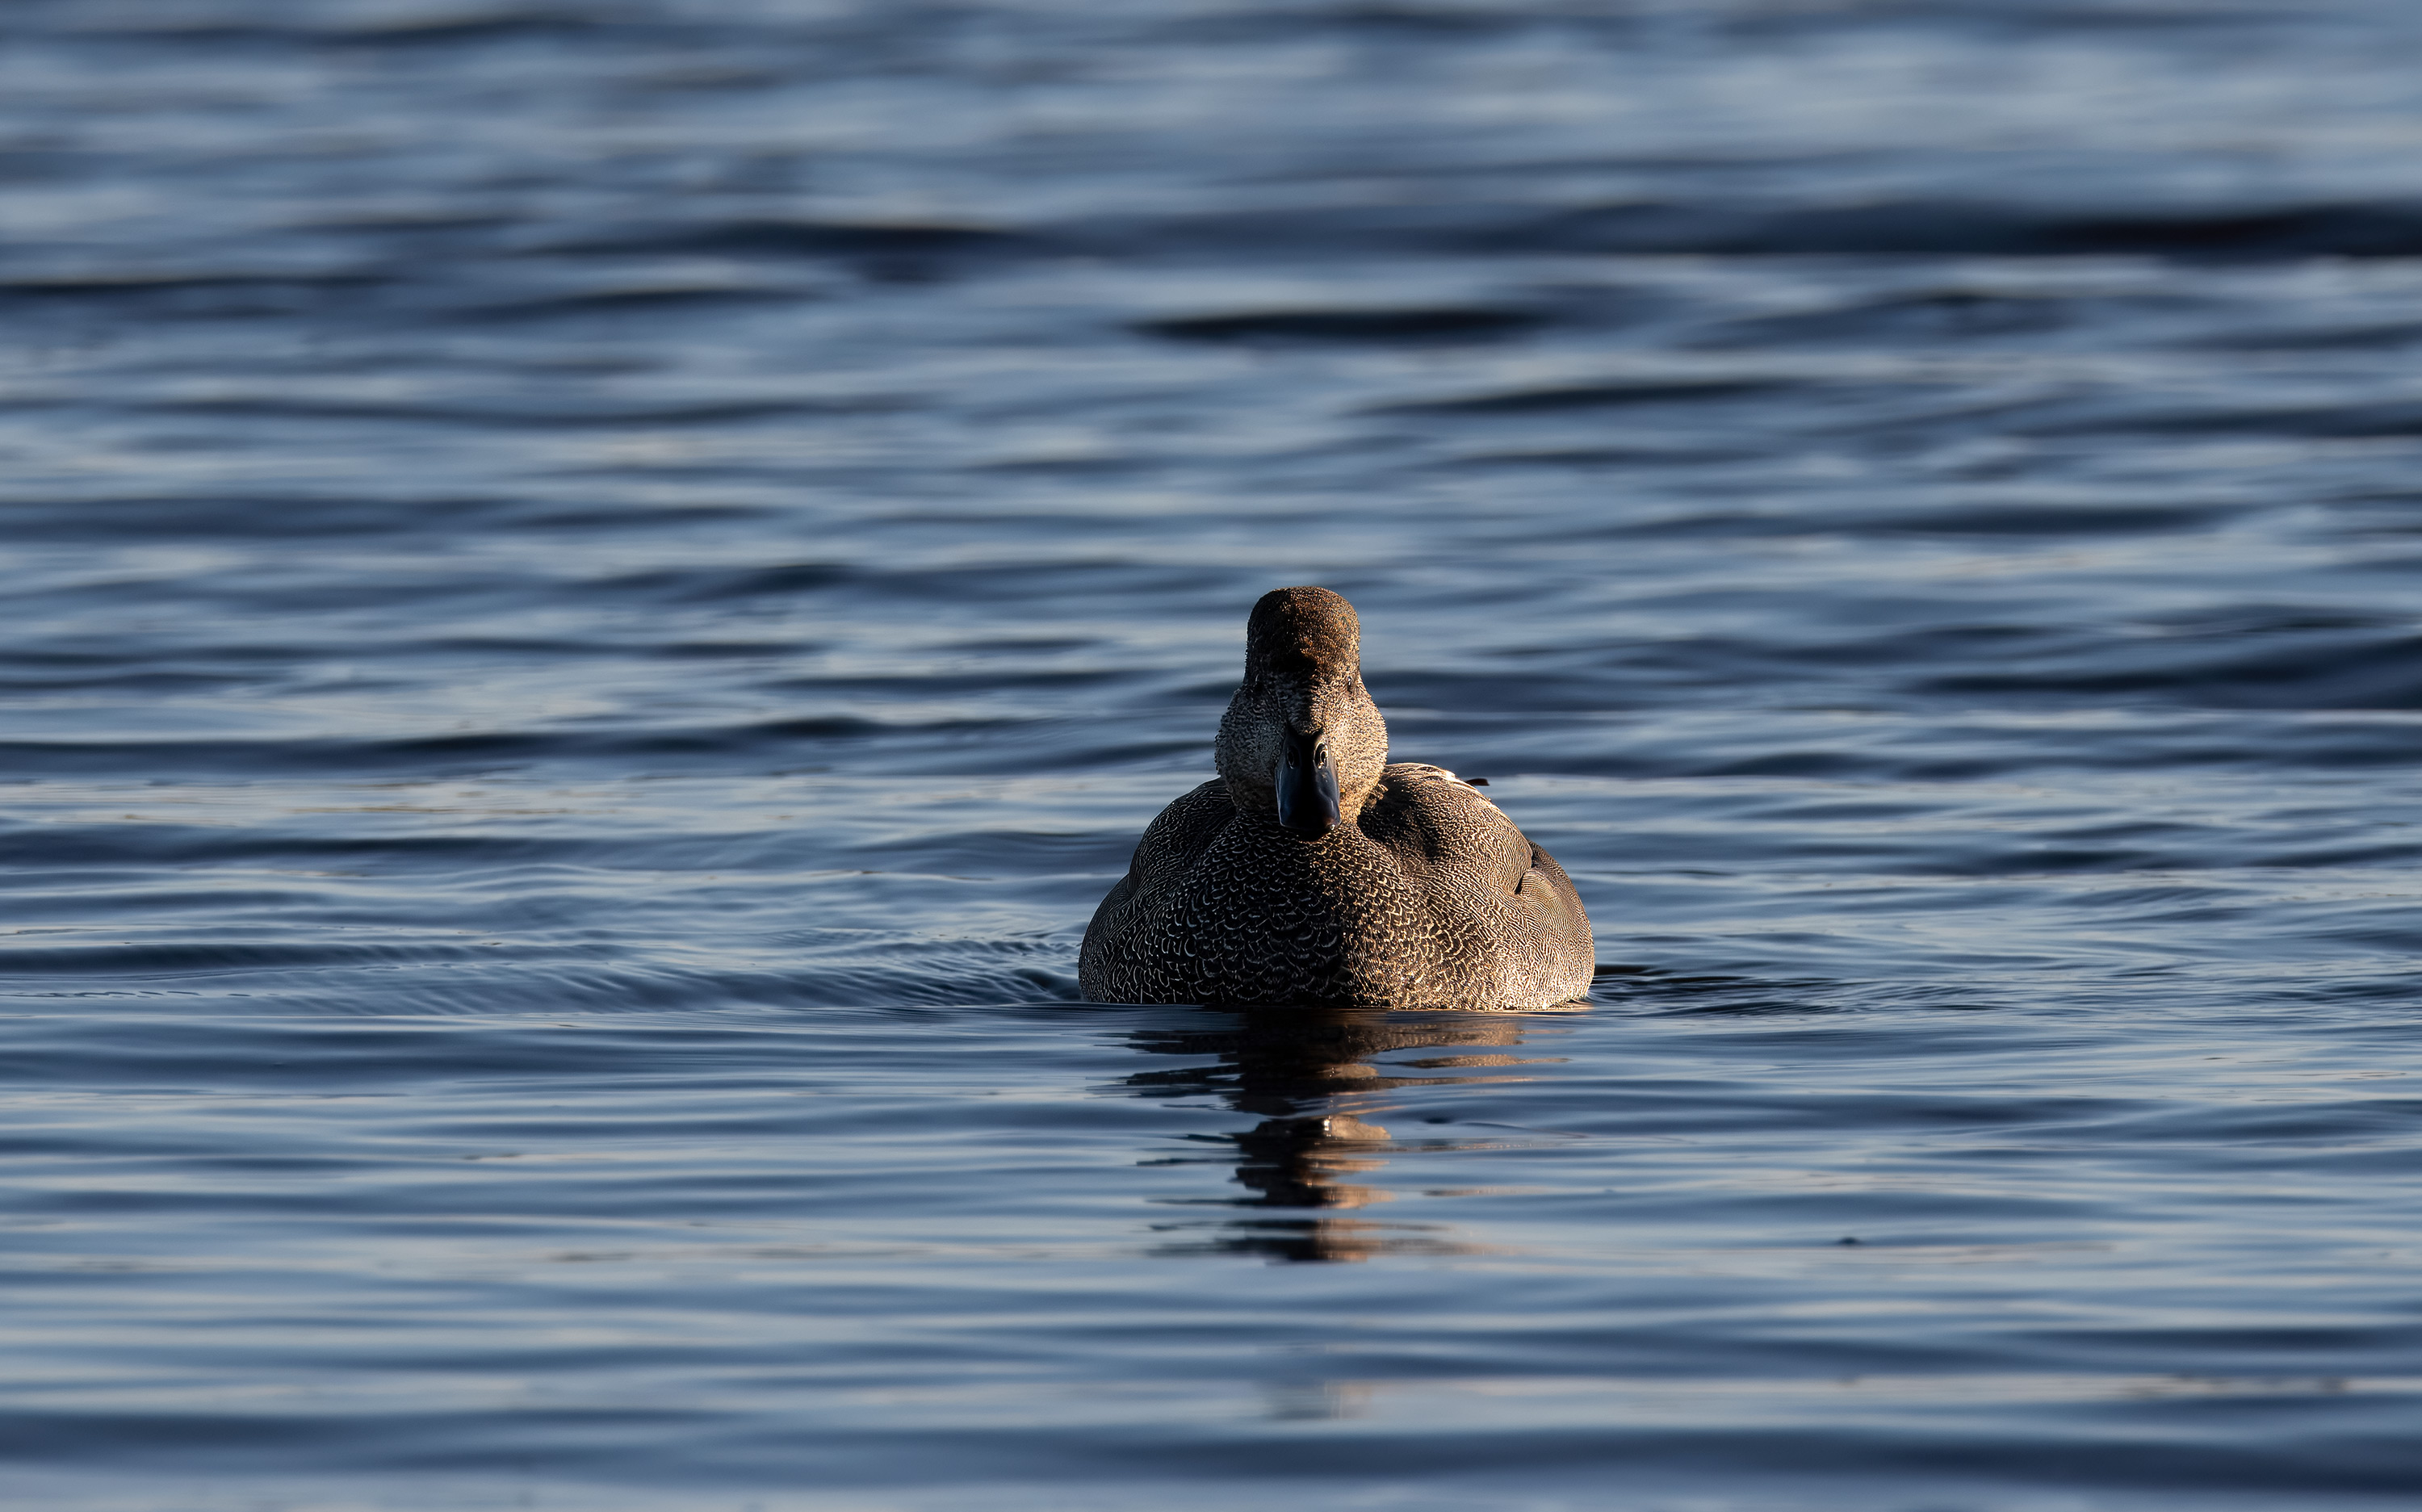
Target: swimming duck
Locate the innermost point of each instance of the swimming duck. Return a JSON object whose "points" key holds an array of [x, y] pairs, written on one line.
{"points": [[1312, 870]]}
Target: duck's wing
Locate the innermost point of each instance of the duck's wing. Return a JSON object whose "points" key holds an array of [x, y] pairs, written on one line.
{"points": [[1167, 852], [1438, 825], [1477, 865]]}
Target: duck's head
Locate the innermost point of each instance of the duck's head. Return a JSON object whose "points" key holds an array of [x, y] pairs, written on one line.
{"points": [[1301, 740]]}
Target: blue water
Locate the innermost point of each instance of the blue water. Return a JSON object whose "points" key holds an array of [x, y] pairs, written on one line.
{"points": [[595, 591]]}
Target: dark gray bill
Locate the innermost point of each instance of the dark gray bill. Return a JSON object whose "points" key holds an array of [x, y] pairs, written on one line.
{"points": [[1307, 786]]}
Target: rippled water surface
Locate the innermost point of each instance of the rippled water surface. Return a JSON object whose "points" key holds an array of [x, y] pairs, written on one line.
{"points": [[596, 591]]}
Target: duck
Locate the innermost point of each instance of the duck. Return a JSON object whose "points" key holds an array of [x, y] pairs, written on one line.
{"points": [[1314, 871]]}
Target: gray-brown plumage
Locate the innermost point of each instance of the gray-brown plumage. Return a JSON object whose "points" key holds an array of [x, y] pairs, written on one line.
{"points": [[1312, 870]]}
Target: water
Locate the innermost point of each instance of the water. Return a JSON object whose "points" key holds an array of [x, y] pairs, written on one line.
{"points": [[597, 591]]}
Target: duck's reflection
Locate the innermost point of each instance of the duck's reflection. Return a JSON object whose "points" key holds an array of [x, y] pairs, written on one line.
{"points": [[1308, 1074]]}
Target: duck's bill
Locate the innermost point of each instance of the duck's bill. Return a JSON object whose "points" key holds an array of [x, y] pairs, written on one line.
{"points": [[1306, 785]]}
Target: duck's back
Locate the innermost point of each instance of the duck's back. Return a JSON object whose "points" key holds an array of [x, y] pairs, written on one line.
{"points": [[1527, 927], [1432, 898]]}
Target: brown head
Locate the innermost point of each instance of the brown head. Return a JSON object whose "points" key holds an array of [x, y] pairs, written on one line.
{"points": [[1301, 740]]}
